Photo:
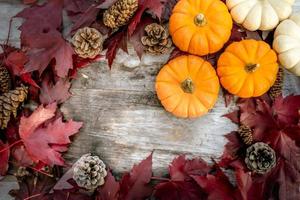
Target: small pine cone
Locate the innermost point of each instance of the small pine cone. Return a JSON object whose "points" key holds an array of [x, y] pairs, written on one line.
{"points": [[260, 158], [156, 40], [245, 133], [276, 89], [9, 104], [88, 42], [120, 13], [5, 81], [89, 172]]}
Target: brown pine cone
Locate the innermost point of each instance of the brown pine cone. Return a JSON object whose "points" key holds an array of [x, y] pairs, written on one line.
{"points": [[87, 42], [276, 89], [260, 158], [156, 40], [245, 133], [9, 103], [89, 172], [5, 81], [120, 13]]}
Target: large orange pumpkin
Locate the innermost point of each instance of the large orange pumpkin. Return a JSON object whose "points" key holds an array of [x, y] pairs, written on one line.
{"points": [[200, 27], [248, 68], [187, 86]]}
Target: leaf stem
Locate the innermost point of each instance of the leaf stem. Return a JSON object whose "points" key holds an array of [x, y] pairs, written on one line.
{"points": [[32, 196], [11, 145]]}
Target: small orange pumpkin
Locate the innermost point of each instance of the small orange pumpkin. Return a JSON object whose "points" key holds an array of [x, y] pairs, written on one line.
{"points": [[187, 86], [200, 27], [248, 68]]}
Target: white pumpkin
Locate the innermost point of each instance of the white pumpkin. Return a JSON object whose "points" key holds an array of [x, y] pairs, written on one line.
{"points": [[287, 43], [259, 14]]}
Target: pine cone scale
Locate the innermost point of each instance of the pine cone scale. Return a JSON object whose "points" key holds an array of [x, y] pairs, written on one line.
{"points": [[9, 104], [88, 42], [157, 39], [120, 13], [89, 172], [260, 158]]}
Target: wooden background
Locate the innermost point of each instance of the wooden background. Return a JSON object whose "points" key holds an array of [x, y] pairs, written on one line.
{"points": [[123, 119]]}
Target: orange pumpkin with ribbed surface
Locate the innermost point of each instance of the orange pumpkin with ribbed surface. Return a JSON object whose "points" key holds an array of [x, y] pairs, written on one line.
{"points": [[248, 68], [187, 86], [200, 27]]}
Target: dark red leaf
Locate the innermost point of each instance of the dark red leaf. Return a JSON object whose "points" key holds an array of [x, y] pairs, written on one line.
{"points": [[178, 190], [34, 187], [4, 157], [181, 169], [70, 195], [154, 6], [176, 53], [113, 44], [15, 62], [40, 33], [110, 190], [287, 109], [58, 92], [87, 18], [135, 39], [167, 11], [216, 186], [80, 63], [135, 185], [231, 149]]}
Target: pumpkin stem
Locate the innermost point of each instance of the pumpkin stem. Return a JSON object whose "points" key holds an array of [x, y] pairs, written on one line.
{"points": [[188, 86], [200, 20], [251, 67]]}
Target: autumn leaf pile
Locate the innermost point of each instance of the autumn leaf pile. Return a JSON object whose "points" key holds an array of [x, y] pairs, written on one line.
{"points": [[33, 143]]}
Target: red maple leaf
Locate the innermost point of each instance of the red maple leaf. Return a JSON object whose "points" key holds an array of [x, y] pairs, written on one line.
{"points": [[181, 169], [58, 92], [135, 185], [39, 32], [4, 157], [178, 190], [110, 190], [182, 185], [154, 6], [217, 186], [45, 143], [135, 39], [15, 62], [113, 44]]}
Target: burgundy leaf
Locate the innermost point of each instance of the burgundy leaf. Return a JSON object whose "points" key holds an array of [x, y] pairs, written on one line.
{"points": [[110, 190], [4, 157], [135, 185], [55, 93]]}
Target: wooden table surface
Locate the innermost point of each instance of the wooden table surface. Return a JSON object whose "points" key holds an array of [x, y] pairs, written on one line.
{"points": [[123, 119]]}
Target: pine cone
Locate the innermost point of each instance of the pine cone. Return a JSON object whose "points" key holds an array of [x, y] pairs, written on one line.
{"points": [[5, 81], [9, 103], [87, 42], [89, 172], [157, 40], [260, 158], [245, 133], [276, 89], [120, 13]]}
